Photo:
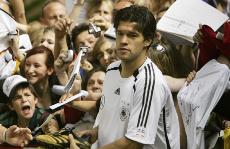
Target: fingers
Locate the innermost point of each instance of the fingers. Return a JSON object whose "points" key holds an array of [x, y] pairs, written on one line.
{"points": [[197, 38], [72, 142], [82, 133], [27, 134], [191, 76], [63, 25], [100, 21], [60, 64], [63, 98], [13, 128], [96, 18]]}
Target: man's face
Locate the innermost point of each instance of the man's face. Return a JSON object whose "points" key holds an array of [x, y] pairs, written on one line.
{"points": [[24, 103], [52, 13], [85, 39], [36, 70], [130, 42]]}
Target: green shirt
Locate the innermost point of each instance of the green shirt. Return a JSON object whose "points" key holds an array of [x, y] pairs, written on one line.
{"points": [[9, 118]]}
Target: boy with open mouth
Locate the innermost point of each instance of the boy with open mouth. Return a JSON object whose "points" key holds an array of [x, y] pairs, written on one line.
{"points": [[22, 100]]}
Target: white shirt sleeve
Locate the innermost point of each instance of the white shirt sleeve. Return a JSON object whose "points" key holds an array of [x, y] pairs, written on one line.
{"points": [[148, 101]]}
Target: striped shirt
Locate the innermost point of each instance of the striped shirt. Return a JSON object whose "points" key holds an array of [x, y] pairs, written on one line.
{"points": [[132, 107]]}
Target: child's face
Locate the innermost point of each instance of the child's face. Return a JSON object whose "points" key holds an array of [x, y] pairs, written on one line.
{"points": [[24, 103], [48, 40], [86, 39]]}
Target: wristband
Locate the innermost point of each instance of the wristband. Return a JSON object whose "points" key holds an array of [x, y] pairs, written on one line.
{"points": [[4, 136]]}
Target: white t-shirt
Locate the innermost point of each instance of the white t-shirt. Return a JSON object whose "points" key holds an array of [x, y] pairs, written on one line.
{"points": [[132, 107], [197, 100]]}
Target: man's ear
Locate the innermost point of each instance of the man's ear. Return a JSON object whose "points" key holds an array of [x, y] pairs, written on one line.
{"points": [[148, 42]]}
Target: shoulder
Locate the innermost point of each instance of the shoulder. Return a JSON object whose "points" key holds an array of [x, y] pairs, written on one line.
{"points": [[114, 66], [8, 118], [148, 69], [149, 75]]}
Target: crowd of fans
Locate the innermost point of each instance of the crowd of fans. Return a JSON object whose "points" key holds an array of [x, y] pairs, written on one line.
{"points": [[27, 78]]}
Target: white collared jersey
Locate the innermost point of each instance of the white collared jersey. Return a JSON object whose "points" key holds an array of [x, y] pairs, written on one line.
{"points": [[132, 107]]}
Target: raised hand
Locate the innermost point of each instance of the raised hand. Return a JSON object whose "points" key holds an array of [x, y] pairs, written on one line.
{"points": [[197, 38], [100, 22]]}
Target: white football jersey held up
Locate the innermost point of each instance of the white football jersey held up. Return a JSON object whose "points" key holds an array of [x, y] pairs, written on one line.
{"points": [[132, 107], [198, 99]]}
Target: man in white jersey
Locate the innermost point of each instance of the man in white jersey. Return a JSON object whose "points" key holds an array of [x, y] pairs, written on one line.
{"points": [[135, 93]]}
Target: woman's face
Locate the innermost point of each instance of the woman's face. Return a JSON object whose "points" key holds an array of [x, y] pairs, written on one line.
{"points": [[35, 68], [95, 84], [105, 54]]}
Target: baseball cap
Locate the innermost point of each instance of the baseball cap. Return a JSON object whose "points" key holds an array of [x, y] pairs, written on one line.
{"points": [[11, 83]]}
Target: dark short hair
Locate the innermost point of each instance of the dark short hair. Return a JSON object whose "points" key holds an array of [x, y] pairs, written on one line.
{"points": [[146, 23], [22, 86], [76, 31], [42, 49]]}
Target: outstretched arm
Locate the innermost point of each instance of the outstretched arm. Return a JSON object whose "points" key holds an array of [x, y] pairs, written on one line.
{"points": [[74, 15], [174, 84], [15, 136], [19, 11], [62, 27]]}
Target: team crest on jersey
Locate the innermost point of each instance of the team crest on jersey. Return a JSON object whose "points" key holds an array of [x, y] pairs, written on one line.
{"points": [[124, 113], [117, 91]]}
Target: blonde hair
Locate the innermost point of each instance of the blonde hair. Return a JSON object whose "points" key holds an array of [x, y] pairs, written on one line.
{"points": [[36, 35], [95, 4]]}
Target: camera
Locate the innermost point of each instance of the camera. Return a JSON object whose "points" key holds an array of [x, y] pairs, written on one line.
{"points": [[84, 49], [70, 56], [93, 29]]}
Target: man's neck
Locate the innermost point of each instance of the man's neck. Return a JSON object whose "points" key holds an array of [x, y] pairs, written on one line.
{"points": [[129, 67]]}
